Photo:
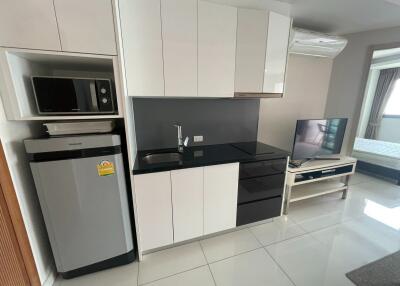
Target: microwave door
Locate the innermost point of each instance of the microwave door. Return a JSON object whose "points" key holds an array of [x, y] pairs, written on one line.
{"points": [[93, 95], [54, 95], [82, 91]]}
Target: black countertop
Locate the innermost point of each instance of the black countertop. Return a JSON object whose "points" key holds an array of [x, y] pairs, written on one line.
{"points": [[199, 156]]}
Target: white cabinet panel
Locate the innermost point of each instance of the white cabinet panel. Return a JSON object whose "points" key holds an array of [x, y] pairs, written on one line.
{"points": [[154, 209], [250, 50], [276, 54], [179, 30], [220, 197], [187, 201], [86, 26], [29, 24], [216, 49], [142, 46]]}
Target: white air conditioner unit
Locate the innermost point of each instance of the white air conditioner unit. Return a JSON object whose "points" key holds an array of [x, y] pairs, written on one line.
{"points": [[312, 43]]}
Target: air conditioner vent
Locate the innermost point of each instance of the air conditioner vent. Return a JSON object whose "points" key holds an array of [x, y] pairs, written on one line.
{"points": [[312, 43]]}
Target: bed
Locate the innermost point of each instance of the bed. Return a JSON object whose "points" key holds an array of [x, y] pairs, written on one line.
{"points": [[378, 157]]}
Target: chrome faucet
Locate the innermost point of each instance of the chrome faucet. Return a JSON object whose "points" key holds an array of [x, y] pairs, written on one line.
{"points": [[181, 143]]}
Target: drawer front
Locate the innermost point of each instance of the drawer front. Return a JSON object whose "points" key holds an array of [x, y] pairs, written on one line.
{"points": [[262, 168], [260, 188], [323, 173], [257, 211]]}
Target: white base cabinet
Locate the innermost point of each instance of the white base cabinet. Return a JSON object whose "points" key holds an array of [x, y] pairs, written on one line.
{"points": [[184, 204], [220, 197], [154, 209], [187, 203]]}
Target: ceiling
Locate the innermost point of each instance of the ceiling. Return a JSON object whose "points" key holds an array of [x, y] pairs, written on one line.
{"points": [[345, 16], [333, 16]]}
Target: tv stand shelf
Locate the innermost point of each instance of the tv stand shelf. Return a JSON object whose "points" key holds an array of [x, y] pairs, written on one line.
{"points": [[317, 178]]}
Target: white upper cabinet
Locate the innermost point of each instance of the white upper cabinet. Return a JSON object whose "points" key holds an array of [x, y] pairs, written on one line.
{"points": [[250, 50], [261, 53], [86, 26], [187, 201], [29, 24], [179, 31], [153, 209], [216, 49], [277, 51], [142, 47], [220, 197]]}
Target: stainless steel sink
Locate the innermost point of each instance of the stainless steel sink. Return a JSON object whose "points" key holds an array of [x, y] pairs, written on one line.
{"points": [[156, 158]]}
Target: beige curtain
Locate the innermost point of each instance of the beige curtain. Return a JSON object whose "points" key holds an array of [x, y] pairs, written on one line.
{"points": [[384, 88]]}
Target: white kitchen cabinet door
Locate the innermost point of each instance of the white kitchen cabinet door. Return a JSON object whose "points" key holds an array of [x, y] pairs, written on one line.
{"points": [[179, 30], [277, 51], [29, 24], [216, 49], [142, 47], [187, 201], [154, 209], [220, 197], [86, 26], [250, 50]]}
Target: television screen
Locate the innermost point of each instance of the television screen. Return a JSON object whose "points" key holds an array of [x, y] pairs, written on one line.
{"points": [[318, 138]]}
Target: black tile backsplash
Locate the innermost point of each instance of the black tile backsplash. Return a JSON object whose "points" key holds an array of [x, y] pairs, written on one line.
{"points": [[218, 120]]}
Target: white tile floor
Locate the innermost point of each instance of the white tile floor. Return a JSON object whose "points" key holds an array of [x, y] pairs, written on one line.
{"points": [[316, 244]]}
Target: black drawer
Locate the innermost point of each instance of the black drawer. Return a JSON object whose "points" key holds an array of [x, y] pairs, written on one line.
{"points": [[262, 168], [260, 188], [323, 173], [260, 210]]}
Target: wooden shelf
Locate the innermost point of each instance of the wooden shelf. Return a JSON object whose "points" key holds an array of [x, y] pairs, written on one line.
{"points": [[316, 189]]}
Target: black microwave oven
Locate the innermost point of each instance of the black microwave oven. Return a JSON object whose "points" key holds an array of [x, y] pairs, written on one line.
{"points": [[66, 96]]}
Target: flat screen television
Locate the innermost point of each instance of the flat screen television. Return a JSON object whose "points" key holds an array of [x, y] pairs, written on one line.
{"points": [[316, 138]]}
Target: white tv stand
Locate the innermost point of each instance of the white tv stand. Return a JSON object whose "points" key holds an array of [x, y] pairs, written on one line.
{"points": [[317, 178]]}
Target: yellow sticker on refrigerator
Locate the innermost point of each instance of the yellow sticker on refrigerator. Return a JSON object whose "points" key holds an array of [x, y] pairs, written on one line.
{"points": [[105, 168]]}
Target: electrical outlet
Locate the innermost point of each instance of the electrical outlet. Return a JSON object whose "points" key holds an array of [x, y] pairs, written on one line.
{"points": [[198, 138]]}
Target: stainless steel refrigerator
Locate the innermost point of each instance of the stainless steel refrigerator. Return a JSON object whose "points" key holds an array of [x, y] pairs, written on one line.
{"points": [[82, 191]]}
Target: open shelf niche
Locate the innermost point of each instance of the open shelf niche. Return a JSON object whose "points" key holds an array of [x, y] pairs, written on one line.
{"points": [[17, 66]]}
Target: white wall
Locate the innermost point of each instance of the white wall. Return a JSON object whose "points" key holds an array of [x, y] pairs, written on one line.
{"points": [[305, 97], [389, 130], [349, 75], [12, 134]]}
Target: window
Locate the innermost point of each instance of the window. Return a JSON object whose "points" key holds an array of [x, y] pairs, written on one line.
{"points": [[393, 105]]}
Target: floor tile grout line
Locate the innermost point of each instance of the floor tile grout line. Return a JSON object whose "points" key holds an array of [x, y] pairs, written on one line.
{"points": [[187, 270], [204, 254], [212, 275], [280, 267], [282, 240], [251, 250], [208, 264], [262, 246], [331, 225], [255, 236]]}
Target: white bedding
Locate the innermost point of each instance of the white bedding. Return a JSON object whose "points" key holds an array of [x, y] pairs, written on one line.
{"points": [[377, 152]]}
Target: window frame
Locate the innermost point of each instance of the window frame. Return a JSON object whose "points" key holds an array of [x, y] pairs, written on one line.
{"points": [[393, 115]]}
